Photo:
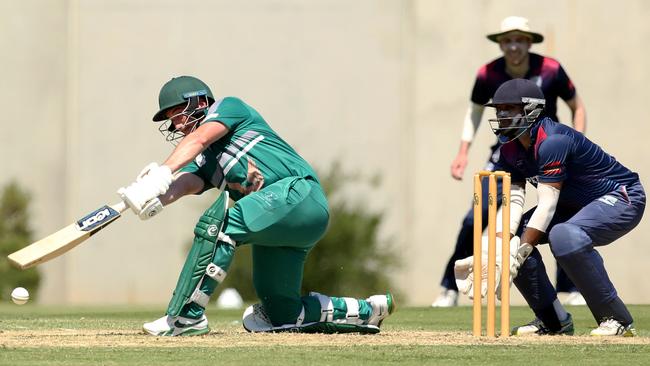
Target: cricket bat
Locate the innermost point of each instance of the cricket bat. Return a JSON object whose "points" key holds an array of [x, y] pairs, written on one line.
{"points": [[67, 238]]}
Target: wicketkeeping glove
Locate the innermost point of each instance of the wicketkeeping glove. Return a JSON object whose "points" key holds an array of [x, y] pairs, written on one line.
{"points": [[518, 257], [464, 269]]}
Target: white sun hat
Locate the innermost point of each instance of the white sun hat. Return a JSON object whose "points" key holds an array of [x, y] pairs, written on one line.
{"points": [[516, 24]]}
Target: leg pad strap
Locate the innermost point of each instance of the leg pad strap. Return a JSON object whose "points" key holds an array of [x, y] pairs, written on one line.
{"points": [[197, 264]]}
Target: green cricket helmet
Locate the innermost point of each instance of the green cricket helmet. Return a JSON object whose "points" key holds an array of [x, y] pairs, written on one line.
{"points": [[180, 90], [184, 91]]}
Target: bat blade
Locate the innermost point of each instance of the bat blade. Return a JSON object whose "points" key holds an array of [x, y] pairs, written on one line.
{"points": [[67, 238]]}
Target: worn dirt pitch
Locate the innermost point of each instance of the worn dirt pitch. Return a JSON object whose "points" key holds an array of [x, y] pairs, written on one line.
{"points": [[232, 338]]}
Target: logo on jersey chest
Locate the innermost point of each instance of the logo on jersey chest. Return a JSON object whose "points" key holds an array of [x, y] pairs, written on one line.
{"points": [[533, 180]]}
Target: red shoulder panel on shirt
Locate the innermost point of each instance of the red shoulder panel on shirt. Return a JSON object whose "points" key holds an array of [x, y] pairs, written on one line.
{"points": [[550, 63], [541, 136]]}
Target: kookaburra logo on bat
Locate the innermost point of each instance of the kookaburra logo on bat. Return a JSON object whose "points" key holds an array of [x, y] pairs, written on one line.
{"points": [[96, 218]]}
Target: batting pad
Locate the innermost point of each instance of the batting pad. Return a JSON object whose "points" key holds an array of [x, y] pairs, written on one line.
{"points": [[255, 320], [197, 264]]}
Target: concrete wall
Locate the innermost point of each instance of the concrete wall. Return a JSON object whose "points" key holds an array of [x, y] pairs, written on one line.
{"points": [[381, 85]]}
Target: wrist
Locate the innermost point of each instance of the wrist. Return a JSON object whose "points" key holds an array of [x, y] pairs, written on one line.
{"points": [[524, 251], [464, 148]]}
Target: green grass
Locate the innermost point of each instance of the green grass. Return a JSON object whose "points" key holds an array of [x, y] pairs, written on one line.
{"points": [[231, 346]]}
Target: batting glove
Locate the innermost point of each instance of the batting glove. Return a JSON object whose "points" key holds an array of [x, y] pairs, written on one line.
{"points": [[152, 182]]}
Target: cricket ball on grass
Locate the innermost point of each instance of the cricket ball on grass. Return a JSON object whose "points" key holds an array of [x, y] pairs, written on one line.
{"points": [[19, 295]]}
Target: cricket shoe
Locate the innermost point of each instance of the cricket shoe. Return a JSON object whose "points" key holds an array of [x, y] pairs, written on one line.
{"points": [[536, 327], [612, 327], [448, 298], [382, 307], [575, 299], [172, 326]]}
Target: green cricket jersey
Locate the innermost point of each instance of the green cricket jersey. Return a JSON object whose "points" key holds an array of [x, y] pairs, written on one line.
{"points": [[250, 157]]}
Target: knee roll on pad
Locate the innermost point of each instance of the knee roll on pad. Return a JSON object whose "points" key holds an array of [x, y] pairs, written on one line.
{"points": [[198, 264]]}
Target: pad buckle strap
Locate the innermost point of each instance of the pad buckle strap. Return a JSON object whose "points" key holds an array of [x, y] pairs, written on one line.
{"points": [[215, 272], [353, 307], [226, 239], [301, 317], [326, 307], [200, 298]]}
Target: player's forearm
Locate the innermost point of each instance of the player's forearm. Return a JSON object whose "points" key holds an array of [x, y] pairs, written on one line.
{"points": [[579, 114], [548, 195], [531, 236], [184, 184], [186, 151], [580, 120], [463, 149], [194, 143], [471, 122]]}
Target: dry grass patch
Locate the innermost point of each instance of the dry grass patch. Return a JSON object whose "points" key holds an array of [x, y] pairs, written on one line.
{"points": [[240, 338]]}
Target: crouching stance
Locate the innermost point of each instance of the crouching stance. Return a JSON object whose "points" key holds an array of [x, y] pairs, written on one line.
{"points": [[586, 199], [280, 210]]}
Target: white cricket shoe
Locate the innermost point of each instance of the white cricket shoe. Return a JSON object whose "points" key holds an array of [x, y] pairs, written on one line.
{"points": [[448, 298], [575, 299], [612, 327], [537, 327], [382, 307], [172, 326]]}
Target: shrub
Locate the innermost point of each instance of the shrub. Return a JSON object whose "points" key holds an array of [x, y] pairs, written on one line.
{"points": [[14, 235]]}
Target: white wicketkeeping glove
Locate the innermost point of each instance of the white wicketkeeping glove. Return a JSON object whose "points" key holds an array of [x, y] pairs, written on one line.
{"points": [[464, 269], [518, 257], [142, 195], [464, 273]]}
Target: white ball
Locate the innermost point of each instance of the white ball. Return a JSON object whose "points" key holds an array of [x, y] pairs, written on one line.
{"points": [[19, 295], [229, 299]]}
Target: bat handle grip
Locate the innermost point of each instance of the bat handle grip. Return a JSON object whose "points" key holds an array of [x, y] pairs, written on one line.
{"points": [[120, 206]]}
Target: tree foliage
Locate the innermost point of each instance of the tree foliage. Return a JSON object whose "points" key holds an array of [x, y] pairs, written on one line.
{"points": [[15, 234], [350, 260]]}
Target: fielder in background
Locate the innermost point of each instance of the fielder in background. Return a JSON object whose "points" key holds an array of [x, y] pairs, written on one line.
{"points": [[585, 199], [280, 210], [515, 40]]}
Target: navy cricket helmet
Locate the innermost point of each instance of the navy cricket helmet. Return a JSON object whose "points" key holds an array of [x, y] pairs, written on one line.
{"points": [[521, 92]]}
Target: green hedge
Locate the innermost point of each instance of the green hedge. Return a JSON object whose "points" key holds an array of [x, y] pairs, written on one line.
{"points": [[15, 234]]}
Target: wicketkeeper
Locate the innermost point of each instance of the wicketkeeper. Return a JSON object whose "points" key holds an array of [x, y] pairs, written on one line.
{"points": [[280, 210], [586, 199]]}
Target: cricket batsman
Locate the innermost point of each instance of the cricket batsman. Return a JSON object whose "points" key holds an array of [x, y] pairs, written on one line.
{"points": [[280, 210], [586, 199]]}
